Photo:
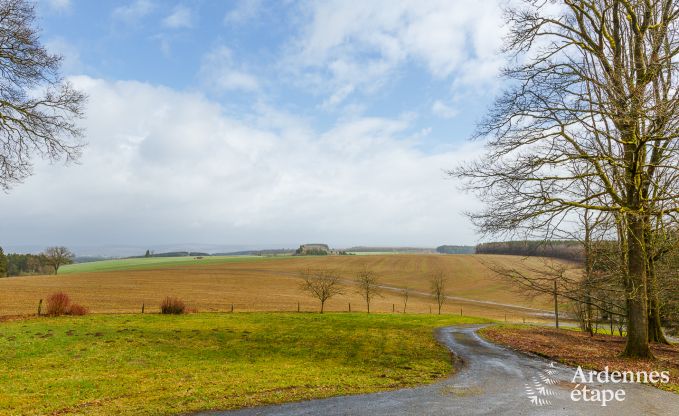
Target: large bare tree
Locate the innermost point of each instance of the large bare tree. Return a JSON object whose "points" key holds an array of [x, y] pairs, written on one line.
{"points": [[592, 97], [58, 256], [38, 108], [321, 284]]}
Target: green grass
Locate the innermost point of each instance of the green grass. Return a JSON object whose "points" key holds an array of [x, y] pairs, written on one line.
{"points": [[154, 263], [158, 365]]}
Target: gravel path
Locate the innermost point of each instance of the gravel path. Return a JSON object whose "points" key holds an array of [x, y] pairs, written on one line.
{"points": [[493, 380]]}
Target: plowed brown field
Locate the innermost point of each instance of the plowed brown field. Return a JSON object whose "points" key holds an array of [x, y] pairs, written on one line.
{"points": [[273, 285]]}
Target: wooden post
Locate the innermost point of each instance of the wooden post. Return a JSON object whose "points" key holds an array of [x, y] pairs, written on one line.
{"points": [[393, 308], [232, 307], [505, 317], [349, 306], [460, 311], [430, 309], [297, 306], [142, 308], [40, 307]]}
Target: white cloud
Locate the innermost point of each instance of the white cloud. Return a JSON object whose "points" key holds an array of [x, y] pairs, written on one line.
{"points": [[219, 70], [181, 17], [444, 110], [356, 45], [168, 166], [243, 11], [134, 10]]}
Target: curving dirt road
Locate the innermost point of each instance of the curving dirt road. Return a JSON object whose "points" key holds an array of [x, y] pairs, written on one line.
{"points": [[493, 380]]}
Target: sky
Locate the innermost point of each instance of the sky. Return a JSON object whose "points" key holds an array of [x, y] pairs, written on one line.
{"points": [[263, 124]]}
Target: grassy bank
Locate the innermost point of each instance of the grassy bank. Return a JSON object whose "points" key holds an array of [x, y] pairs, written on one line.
{"points": [[577, 348], [155, 364]]}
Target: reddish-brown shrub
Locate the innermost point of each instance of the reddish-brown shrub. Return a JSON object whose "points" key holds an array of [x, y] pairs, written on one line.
{"points": [[172, 305], [77, 310], [58, 304]]}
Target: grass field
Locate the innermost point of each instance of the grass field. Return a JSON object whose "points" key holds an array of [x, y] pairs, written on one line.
{"points": [[159, 364], [272, 284], [152, 263]]}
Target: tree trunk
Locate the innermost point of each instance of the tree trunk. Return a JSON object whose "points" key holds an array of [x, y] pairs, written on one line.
{"points": [[556, 306], [322, 304], [655, 333], [635, 292]]}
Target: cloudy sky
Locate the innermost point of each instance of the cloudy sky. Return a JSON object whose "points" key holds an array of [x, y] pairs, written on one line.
{"points": [[269, 124]]}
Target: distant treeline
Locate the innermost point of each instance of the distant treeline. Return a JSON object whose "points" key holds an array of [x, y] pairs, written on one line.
{"points": [[560, 249], [456, 249], [25, 264]]}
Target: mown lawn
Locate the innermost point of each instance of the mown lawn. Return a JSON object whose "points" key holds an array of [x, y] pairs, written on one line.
{"points": [[156, 364]]}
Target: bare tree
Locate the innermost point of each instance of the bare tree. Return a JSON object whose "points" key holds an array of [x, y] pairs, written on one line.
{"points": [[405, 294], [438, 289], [321, 284], [37, 107], [594, 87], [368, 286], [58, 256]]}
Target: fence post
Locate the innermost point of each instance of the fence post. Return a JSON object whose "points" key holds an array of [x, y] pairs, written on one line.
{"points": [[349, 306], [142, 307], [40, 307], [232, 307], [297, 306], [393, 308], [505, 317], [430, 309], [460, 311]]}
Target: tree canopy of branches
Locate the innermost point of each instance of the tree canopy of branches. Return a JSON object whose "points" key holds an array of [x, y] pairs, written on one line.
{"points": [[57, 257], [438, 289], [38, 108], [321, 284], [368, 286], [589, 122], [3, 263]]}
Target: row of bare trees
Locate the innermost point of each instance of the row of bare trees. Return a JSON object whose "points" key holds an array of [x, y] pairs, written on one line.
{"points": [[323, 284], [589, 128]]}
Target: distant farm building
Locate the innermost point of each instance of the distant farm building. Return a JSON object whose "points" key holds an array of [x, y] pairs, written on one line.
{"points": [[313, 250]]}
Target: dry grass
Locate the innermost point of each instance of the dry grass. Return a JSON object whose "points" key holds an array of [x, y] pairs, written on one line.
{"points": [[578, 348], [273, 284]]}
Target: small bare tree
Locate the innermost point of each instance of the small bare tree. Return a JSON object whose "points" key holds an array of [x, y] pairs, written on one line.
{"points": [[368, 286], [438, 289], [405, 294], [321, 284], [58, 256]]}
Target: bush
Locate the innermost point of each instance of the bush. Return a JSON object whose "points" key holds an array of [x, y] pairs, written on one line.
{"points": [[58, 304], [172, 305], [77, 310]]}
